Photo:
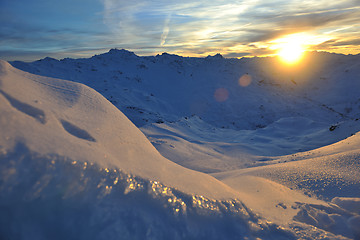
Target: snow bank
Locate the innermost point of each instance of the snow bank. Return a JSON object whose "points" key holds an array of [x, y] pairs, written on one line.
{"points": [[54, 197]]}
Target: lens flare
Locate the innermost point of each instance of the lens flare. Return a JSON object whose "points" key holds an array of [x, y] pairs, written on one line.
{"points": [[245, 80], [221, 94]]}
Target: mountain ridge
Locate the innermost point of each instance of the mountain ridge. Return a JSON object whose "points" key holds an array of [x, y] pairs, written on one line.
{"points": [[236, 94]]}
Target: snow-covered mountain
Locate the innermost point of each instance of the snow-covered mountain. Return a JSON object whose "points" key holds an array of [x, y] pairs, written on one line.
{"points": [[243, 148], [231, 93], [250, 108]]}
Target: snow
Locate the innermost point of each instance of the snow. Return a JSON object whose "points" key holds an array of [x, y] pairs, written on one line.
{"points": [[53, 197], [207, 148], [48, 113], [350, 204]]}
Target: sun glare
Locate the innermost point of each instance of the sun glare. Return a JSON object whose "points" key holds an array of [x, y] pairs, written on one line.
{"points": [[290, 48], [291, 53]]}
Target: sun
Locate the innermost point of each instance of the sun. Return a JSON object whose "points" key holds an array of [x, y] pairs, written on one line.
{"points": [[290, 49], [291, 52]]}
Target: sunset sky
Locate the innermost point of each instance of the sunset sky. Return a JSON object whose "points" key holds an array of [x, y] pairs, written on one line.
{"points": [[30, 30]]}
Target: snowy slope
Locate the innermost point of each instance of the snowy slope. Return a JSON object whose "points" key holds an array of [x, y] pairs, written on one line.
{"points": [[193, 143], [45, 113], [73, 166], [333, 177], [279, 142]]}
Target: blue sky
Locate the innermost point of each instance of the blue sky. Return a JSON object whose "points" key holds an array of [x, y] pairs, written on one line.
{"points": [[30, 30]]}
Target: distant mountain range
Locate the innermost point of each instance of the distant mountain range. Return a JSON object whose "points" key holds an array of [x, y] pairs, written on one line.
{"points": [[247, 93]]}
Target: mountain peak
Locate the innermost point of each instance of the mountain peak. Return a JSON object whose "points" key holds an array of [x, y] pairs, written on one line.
{"points": [[121, 52], [217, 56], [48, 59]]}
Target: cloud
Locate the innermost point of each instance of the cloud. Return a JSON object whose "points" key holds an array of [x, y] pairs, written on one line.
{"points": [[192, 28], [165, 31], [21, 41], [33, 28], [316, 20], [338, 44], [236, 54], [203, 26]]}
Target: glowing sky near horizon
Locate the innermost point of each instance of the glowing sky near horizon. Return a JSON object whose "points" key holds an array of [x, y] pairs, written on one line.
{"points": [[30, 30]]}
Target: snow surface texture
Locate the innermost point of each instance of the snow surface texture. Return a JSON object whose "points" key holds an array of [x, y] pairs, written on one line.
{"points": [[267, 152]]}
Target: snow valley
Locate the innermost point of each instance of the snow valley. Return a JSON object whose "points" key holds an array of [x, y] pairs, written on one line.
{"points": [[170, 147]]}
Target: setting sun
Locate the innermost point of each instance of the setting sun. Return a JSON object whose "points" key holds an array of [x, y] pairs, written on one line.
{"points": [[291, 52], [290, 49]]}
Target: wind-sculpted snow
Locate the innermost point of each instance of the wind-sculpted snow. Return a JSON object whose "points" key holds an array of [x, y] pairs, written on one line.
{"points": [[51, 197], [333, 178], [332, 219], [34, 112], [76, 131], [326, 177]]}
